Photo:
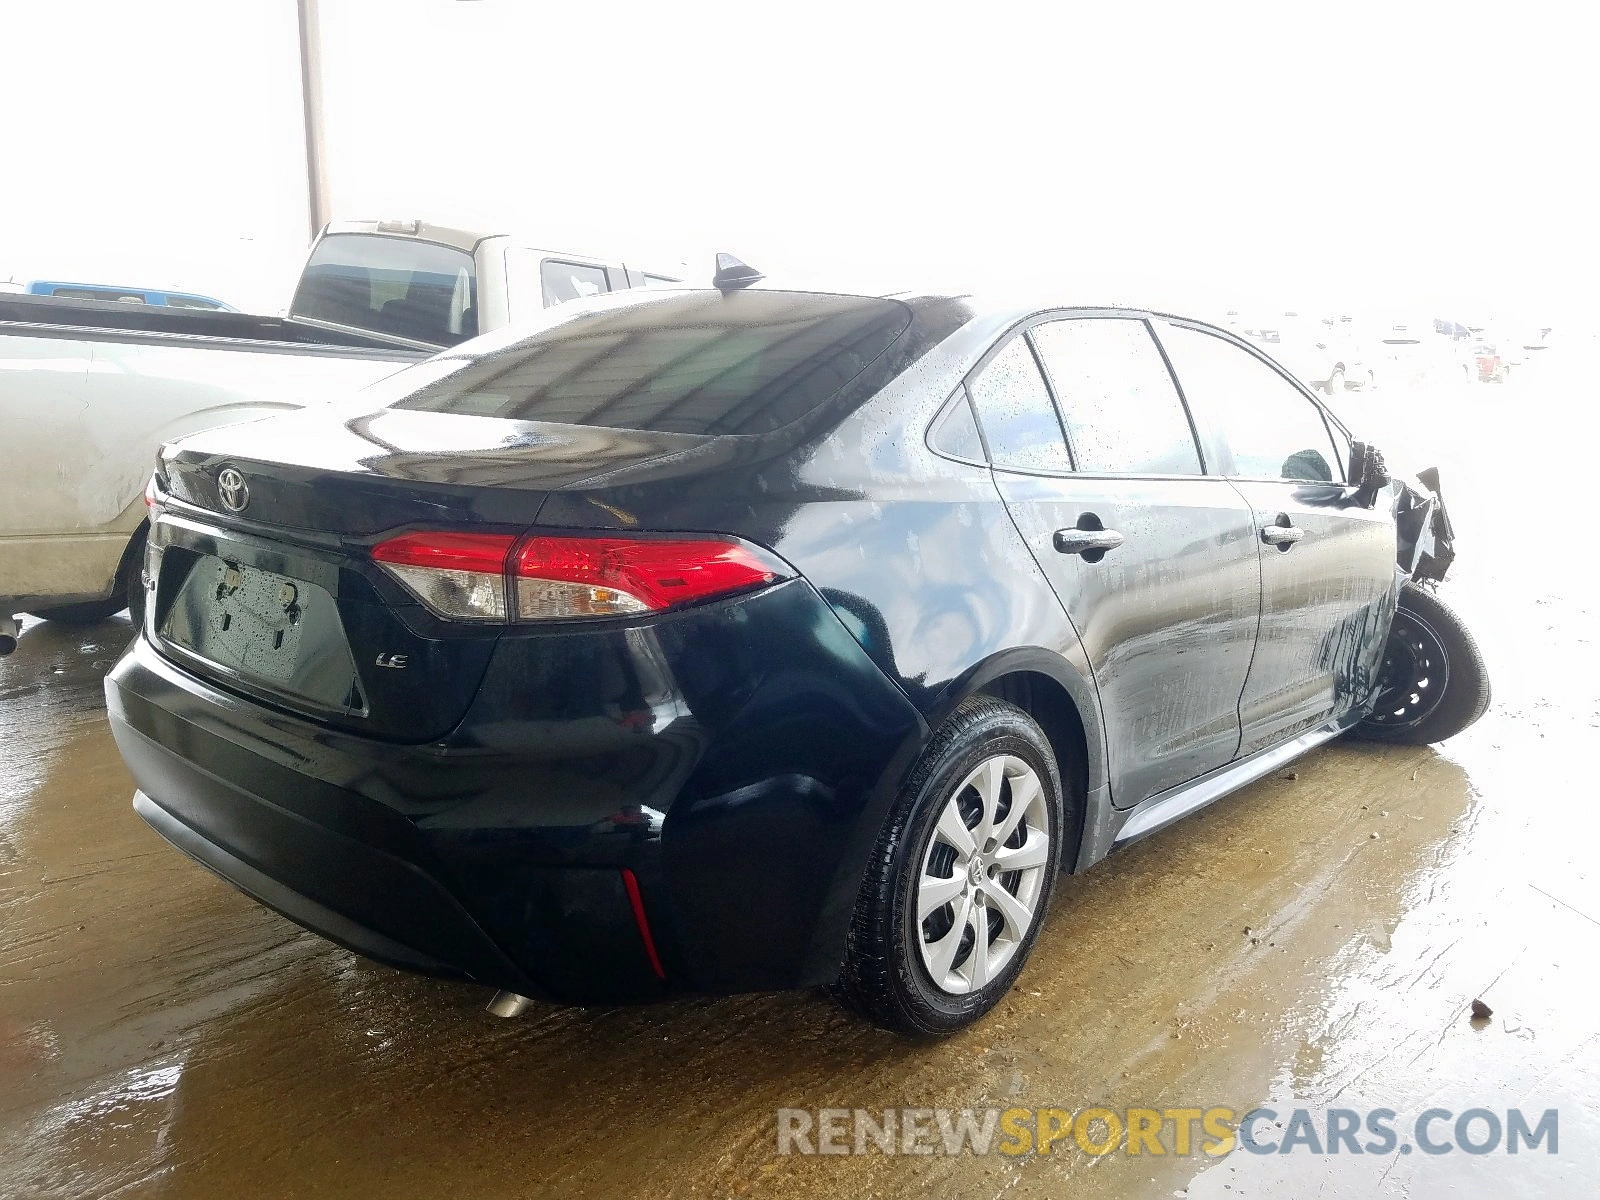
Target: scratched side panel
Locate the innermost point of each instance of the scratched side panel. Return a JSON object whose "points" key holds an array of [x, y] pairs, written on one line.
{"points": [[1326, 606], [1167, 620]]}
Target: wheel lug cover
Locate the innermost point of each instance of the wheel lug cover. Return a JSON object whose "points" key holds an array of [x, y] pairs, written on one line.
{"points": [[967, 926]]}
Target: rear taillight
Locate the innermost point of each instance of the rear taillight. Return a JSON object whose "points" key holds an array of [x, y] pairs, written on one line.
{"points": [[469, 576], [458, 575], [603, 577]]}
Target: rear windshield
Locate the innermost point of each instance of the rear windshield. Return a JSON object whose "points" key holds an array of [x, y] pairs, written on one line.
{"points": [[699, 362], [421, 291]]}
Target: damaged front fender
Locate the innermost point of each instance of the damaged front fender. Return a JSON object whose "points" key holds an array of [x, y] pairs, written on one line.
{"points": [[1424, 537]]}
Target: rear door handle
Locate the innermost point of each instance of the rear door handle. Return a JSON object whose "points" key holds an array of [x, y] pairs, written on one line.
{"points": [[1086, 541], [1281, 533]]}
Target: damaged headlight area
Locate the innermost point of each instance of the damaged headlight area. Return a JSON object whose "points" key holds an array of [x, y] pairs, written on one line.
{"points": [[1424, 537]]}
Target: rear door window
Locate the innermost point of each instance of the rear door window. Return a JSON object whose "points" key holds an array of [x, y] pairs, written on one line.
{"points": [[1014, 409], [420, 291], [1273, 430], [1123, 414]]}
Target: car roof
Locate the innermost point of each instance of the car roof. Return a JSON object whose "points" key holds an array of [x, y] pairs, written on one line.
{"points": [[422, 231]]}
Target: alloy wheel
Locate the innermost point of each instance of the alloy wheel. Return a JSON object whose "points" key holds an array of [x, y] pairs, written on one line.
{"points": [[982, 874]]}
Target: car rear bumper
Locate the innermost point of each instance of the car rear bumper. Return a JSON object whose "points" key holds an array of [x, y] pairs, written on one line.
{"points": [[713, 841], [299, 908], [357, 871]]}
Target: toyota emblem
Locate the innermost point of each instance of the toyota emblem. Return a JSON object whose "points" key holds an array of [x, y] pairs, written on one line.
{"points": [[232, 489]]}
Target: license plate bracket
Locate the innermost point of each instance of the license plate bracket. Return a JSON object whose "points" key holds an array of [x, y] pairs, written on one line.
{"points": [[266, 629]]}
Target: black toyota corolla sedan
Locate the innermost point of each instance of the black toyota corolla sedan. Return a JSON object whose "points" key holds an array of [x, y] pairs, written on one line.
{"points": [[748, 639]]}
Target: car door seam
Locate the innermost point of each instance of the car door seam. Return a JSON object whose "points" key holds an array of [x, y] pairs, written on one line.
{"points": [[1261, 604], [1094, 681]]}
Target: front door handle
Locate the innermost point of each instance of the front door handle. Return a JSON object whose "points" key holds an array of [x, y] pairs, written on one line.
{"points": [[1281, 533], [1087, 541]]}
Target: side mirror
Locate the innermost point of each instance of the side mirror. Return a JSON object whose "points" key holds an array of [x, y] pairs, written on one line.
{"points": [[1368, 474]]}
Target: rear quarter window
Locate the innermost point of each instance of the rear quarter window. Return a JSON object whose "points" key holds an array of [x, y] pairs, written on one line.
{"points": [[955, 432]]}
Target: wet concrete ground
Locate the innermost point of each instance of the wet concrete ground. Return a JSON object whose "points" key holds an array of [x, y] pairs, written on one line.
{"points": [[161, 1035]]}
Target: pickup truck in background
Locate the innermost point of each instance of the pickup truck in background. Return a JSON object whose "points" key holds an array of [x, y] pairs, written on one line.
{"points": [[429, 286], [89, 390]]}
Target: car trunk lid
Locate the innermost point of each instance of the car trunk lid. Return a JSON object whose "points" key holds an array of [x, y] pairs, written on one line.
{"points": [[381, 470], [263, 537]]}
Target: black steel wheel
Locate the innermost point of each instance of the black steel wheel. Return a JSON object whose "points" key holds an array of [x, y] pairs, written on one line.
{"points": [[1433, 683]]}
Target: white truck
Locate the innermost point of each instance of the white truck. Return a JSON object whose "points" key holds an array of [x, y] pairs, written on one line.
{"points": [[89, 390]]}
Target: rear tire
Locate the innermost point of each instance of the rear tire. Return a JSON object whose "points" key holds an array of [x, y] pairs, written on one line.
{"points": [[1434, 682], [934, 944]]}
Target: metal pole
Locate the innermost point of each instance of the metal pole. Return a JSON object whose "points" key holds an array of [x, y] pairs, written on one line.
{"points": [[311, 104]]}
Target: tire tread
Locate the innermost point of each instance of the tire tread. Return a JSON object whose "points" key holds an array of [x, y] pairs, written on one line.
{"points": [[867, 984]]}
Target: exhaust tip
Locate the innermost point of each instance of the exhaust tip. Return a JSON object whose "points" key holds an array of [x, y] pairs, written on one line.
{"points": [[7, 644], [509, 1004]]}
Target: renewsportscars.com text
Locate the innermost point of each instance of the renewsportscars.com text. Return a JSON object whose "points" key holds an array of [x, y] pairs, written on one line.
{"points": [[1177, 1131]]}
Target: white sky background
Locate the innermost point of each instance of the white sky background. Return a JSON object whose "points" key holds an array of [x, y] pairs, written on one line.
{"points": [[1371, 157]]}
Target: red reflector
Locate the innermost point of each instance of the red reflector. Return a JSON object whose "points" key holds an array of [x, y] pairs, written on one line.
{"points": [[447, 551], [658, 573], [637, 902]]}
